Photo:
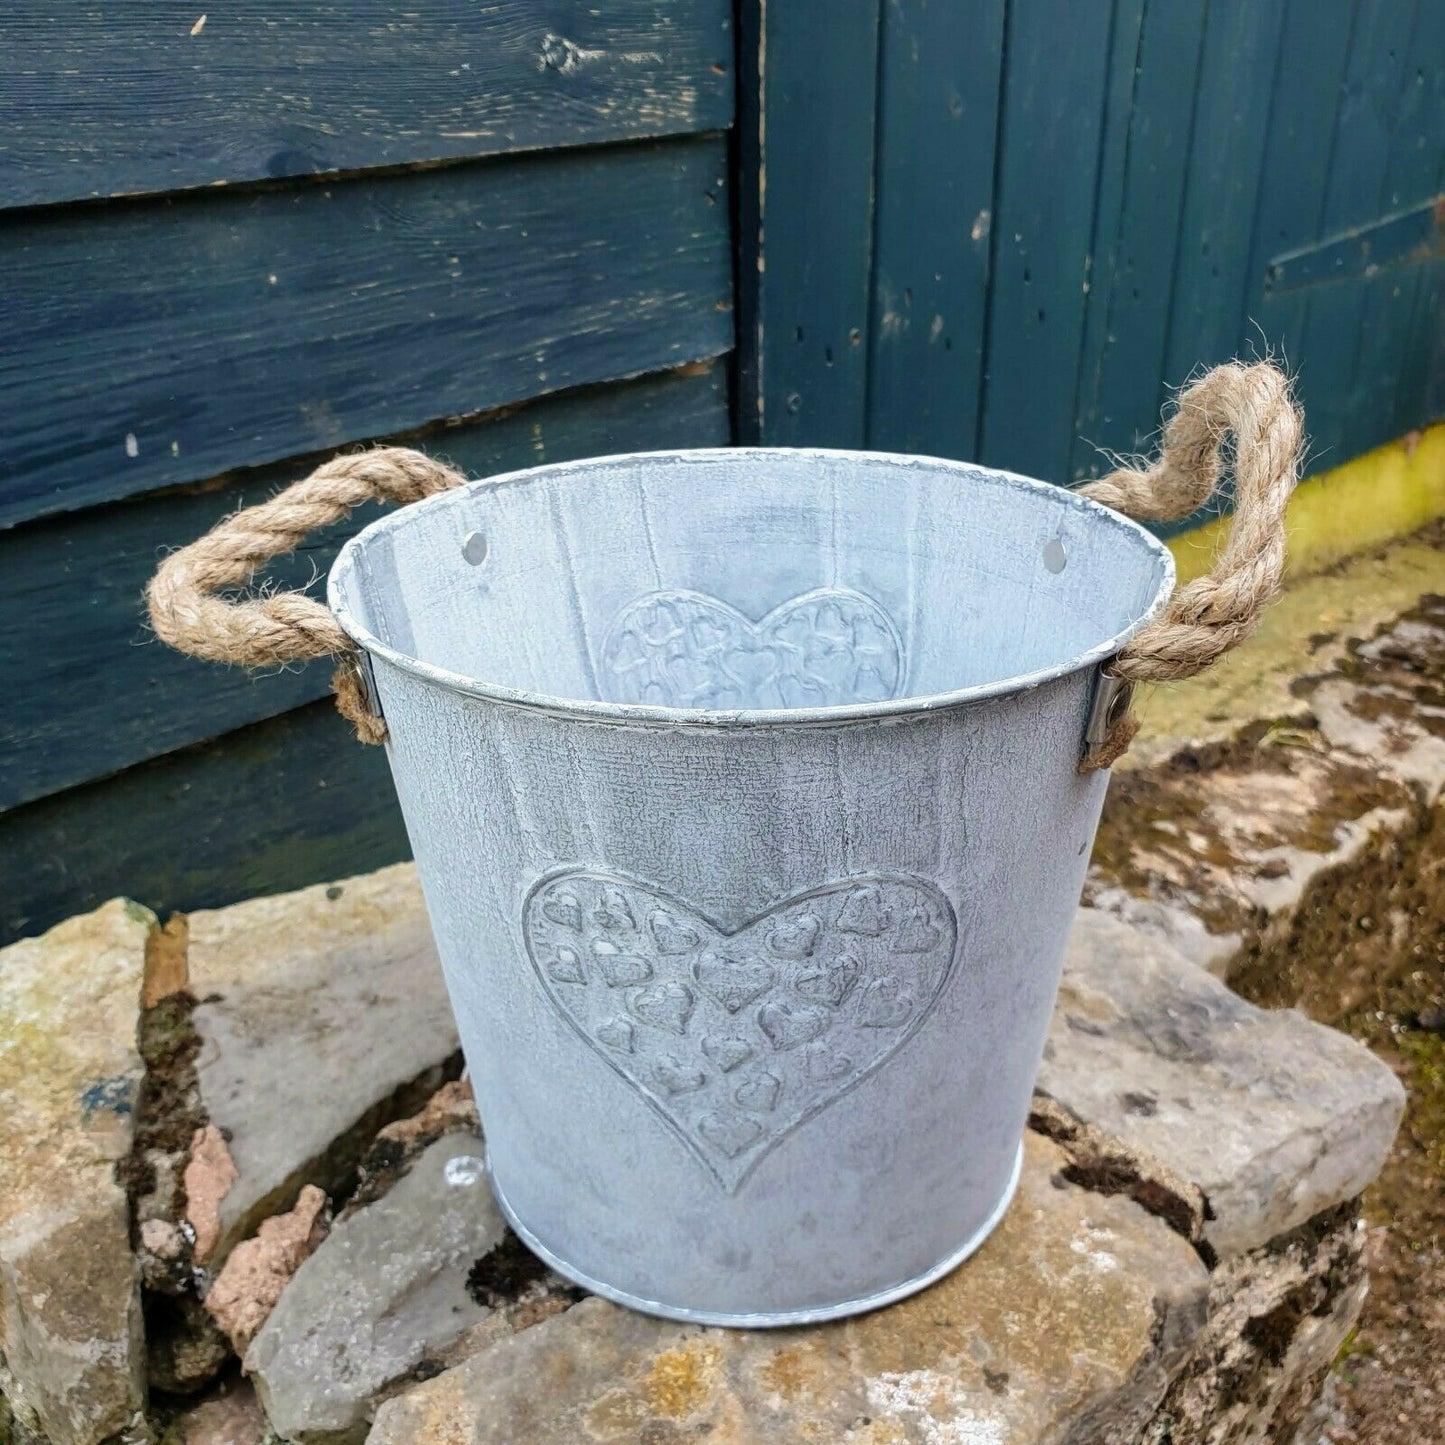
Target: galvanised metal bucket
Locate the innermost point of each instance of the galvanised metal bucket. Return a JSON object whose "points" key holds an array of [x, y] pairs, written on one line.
{"points": [[743, 787]]}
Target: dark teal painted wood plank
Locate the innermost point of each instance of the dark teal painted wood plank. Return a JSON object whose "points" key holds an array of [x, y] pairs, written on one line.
{"points": [[292, 801], [937, 126], [1314, 51], [1375, 81], [806, 242], [1231, 123], [152, 343], [1391, 358], [1212, 280], [1114, 152], [1420, 392], [96, 693], [1054, 88], [125, 99], [1122, 370]]}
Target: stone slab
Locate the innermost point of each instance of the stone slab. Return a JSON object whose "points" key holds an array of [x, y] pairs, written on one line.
{"points": [[1275, 1118], [387, 1290], [1069, 1317], [70, 1072], [1278, 1317], [316, 1010], [1306, 631], [1388, 708]]}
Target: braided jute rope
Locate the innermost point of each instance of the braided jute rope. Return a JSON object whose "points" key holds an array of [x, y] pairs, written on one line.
{"points": [[269, 630], [1201, 622], [1212, 614]]}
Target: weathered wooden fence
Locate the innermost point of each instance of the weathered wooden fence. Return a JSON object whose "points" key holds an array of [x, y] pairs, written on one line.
{"points": [[1004, 229], [227, 248], [1000, 230]]}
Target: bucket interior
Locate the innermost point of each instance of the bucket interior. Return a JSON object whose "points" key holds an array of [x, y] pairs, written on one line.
{"points": [[749, 579]]}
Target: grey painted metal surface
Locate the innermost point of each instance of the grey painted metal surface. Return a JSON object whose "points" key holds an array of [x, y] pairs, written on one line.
{"points": [[743, 789]]}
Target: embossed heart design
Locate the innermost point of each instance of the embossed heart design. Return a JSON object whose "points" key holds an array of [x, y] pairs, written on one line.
{"points": [[738, 1037], [685, 649]]}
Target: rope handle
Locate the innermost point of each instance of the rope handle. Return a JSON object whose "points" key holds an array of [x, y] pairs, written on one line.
{"points": [[1212, 614], [272, 629], [1201, 622]]}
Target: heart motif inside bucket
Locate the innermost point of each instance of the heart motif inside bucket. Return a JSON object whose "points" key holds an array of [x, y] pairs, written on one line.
{"points": [[736, 1038], [685, 649]]}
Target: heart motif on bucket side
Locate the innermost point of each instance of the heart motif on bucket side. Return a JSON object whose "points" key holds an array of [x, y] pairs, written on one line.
{"points": [[685, 649], [736, 1037]]}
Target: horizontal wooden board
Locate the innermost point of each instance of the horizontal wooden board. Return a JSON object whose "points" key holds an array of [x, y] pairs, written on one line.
{"points": [[1406, 238], [136, 98], [151, 343], [292, 801], [95, 693]]}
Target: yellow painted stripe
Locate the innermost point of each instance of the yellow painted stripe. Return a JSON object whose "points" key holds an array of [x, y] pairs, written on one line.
{"points": [[1387, 493]]}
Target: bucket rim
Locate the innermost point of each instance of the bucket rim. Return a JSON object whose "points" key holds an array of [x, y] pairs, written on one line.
{"points": [[344, 569]]}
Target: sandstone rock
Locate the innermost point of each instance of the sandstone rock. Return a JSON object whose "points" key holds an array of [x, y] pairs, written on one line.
{"points": [[258, 1269], [1273, 1117], [1068, 1319], [70, 1316], [322, 1015], [209, 1174], [233, 1418], [452, 1107], [386, 1292]]}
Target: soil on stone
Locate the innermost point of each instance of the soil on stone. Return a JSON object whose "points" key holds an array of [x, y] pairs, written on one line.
{"points": [[1366, 954], [503, 1273], [168, 1109]]}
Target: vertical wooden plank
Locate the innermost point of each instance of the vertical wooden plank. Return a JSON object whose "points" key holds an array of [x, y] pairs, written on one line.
{"points": [[1123, 360], [1374, 78], [1114, 149], [1431, 318], [1392, 355], [938, 92], [1231, 116], [1295, 174], [1054, 86], [806, 244]]}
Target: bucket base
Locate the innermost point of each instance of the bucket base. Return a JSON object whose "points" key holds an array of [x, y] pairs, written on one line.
{"points": [[776, 1319]]}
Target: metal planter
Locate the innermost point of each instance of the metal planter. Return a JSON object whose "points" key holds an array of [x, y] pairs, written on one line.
{"points": [[743, 787]]}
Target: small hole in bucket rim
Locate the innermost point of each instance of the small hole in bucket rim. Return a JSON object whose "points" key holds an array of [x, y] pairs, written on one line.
{"points": [[474, 548], [1056, 555]]}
